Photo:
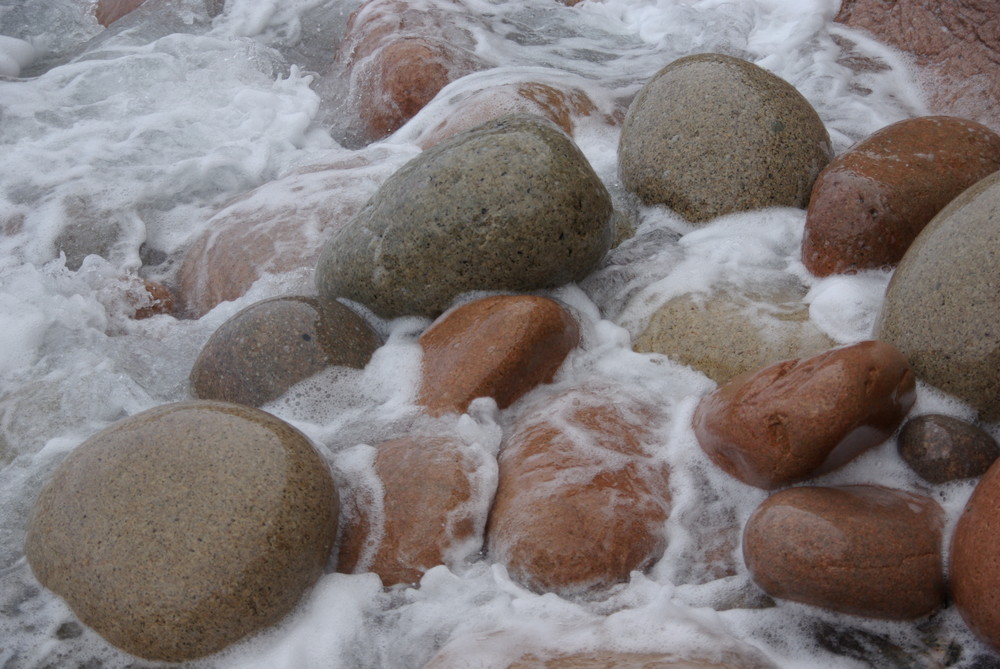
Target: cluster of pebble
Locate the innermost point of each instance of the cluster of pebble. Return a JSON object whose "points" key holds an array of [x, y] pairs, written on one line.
{"points": [[225, 515]]}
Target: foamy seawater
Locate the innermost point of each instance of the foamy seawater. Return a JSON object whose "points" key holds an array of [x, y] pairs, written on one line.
{"points": [[118, 145]]}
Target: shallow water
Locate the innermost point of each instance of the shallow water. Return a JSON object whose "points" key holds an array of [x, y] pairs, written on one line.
{"points": [[118, 145]]}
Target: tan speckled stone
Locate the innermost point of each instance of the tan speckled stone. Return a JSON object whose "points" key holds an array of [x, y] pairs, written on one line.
{"points": [[710, 134], [942, 305], [178, 531], [265, 349]]}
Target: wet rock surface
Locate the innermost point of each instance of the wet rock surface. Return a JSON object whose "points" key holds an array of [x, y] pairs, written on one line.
{"points": [[265, 349], [870, 203], [180, 530], [499, 347], [581, 502], [762, 427], [512, 205], [942, 306], [942, 448], [710, 134], [862, 550]]}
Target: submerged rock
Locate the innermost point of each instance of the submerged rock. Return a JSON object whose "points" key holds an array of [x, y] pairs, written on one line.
{"points": [[863, 550], [512, 205], [799, 418], [941, 448], [871, 202], [942, 305], [581, 501], [182, 529], [499, 347], [710, 134], [265, 349]]}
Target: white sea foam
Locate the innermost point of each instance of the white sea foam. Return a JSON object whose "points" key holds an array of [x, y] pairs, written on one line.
{"points": [[120, 144]]}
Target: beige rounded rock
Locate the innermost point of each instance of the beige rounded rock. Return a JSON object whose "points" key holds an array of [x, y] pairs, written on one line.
{"points": [[180, 530]]}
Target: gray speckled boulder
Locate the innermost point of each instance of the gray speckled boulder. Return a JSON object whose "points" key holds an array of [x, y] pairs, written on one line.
{"points": [[265, 349], [942, 306], [177, 531], [512, 205], [711, 134]]}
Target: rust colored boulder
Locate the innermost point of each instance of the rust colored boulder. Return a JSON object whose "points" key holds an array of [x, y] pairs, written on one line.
{"points": [[432, 510], [870, 203], [863, 550], [942, 448], [399, 55], [499, 347], [581, 500], [800, 418], [956, 48]]}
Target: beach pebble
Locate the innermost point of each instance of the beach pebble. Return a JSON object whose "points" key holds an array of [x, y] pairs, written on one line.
{"points": [[581, 503], [499, 347], [512, 205], [871, 202], [800, 418], [711, 134], [177, 531], [427, 513], [733, 330], [942, 305], [974, 567], [398, 55], [265, 349], [863, 550], [942, 448]]}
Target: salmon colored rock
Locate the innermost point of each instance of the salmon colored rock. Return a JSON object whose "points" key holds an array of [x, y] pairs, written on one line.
{"points": [[109, 11], [800, 418], [871, 202], [399, 55], [428, 513], [974, 574], [499, 347], [581, 501], [862, 550]]}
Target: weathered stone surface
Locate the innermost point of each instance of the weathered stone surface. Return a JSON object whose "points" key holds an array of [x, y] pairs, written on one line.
{"points": [[580, 503], [956, 46], [499, 347], [711, 134], [512, 205], [265, 349], [871, 202], [942, 305], [399, 55], [799, 418], [276, 228], [430, 512], [733, 331], [974, 568], [177, 531], [863, 550], [942, 448]]}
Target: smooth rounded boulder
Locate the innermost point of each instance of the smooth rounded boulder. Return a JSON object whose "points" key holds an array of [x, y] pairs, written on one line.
{"points": [[942, 305], [711, 134], [512, 205], [871, 202], [863, 550], [943, 448], [799, 418], [179, 530]]}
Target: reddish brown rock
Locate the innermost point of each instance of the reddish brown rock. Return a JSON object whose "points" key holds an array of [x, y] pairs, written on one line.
{"points": [[429, 515], [870, 203], [863, 550], [109, 11], [942, 448], [956, 46], [799, 418], [158, 300], [399, 55], [581, 503], [499, 347]]}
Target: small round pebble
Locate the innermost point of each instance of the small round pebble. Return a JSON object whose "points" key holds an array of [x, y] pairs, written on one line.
{"points": [[942, 448]]}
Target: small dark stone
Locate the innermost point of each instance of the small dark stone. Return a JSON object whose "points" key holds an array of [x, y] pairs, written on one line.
{"points": [[941, 448], [69, 630]]}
